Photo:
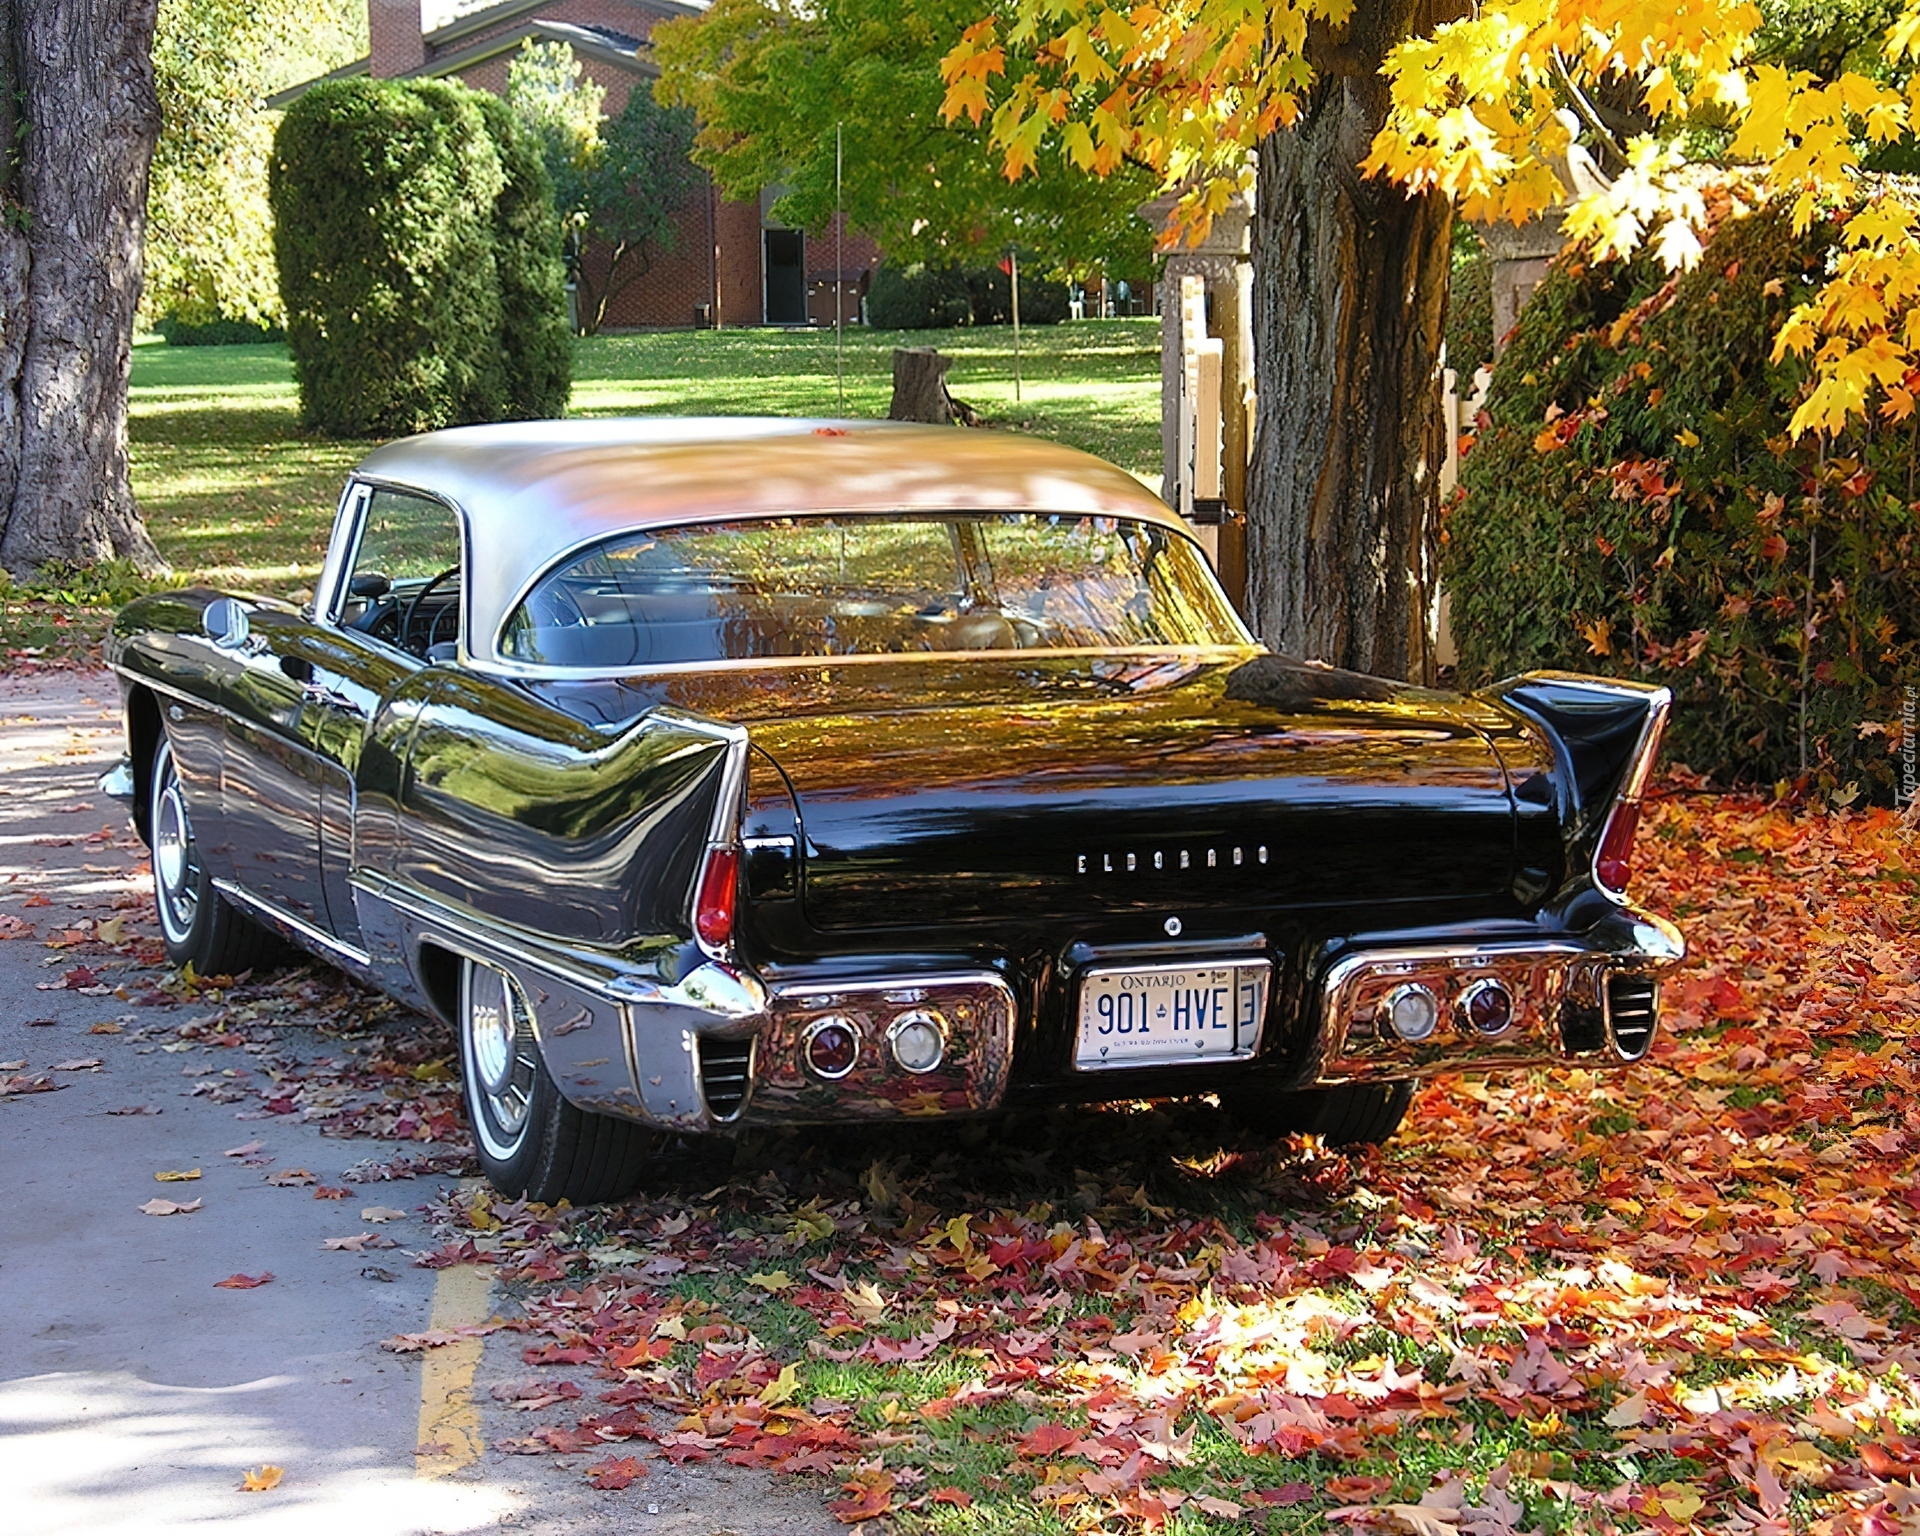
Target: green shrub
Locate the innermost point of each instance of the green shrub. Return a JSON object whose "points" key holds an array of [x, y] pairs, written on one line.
{"points": [[216, 333], [1632, 504], [383, 195], [1043, 300], [917, 298], [921, 298], [533, 279]]}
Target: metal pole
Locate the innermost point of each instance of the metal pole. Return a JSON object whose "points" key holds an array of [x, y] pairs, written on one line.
{"points": [[1013, 271], [839, 275]]}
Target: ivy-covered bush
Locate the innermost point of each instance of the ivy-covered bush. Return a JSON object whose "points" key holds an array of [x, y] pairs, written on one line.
{"points": [[533, 278], [407, 244], [1631, 504]]}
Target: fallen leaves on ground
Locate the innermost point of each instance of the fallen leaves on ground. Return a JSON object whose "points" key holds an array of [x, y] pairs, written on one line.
{"points": [[244, 1282], [1686, 1293], [379, 1213], [262, 1479], [176, 1175], [616, 1473], [159, 1207]]}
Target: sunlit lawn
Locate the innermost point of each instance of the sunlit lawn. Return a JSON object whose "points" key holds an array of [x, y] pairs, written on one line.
{"points": [[235, 493]]}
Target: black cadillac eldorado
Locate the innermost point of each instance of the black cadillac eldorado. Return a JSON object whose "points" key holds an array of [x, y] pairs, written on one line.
{"points": [[708, 774]]}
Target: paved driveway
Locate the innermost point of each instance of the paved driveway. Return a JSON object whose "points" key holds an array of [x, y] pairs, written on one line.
{"points": [[135, 1391]]}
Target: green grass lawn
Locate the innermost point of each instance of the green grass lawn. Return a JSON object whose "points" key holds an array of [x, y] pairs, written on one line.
{"points": [[235, 493], [238, 496]]}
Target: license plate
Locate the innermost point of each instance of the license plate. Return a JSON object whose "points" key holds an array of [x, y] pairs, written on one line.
{"points": [[1137, 1016]]}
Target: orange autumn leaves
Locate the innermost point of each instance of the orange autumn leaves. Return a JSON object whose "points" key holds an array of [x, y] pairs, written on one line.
{"points": [[1683, 1295]]}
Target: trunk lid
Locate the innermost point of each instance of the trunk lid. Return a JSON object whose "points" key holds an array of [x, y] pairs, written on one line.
{"points": [[934, 791]]}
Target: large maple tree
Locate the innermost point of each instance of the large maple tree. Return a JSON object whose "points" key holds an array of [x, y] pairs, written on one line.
{"points": [[1372, 124]]}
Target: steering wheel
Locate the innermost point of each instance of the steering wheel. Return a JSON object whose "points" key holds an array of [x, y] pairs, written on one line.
{"points": [[413, 609]]}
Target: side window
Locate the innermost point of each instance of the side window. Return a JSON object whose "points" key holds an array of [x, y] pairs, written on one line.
{"points": [[404, 587]]}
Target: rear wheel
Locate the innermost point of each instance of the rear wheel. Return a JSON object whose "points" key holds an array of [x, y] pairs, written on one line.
{"points": [[198, 925], [1351, 1115], [532, 1142]]}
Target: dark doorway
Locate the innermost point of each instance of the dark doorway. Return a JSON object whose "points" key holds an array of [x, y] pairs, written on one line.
{"points": [[786, 277]]}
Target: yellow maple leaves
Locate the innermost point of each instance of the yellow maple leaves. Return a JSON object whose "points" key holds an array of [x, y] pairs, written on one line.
{"points": [[1494, 111]]}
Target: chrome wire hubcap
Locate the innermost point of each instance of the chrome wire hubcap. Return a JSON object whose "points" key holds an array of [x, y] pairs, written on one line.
{"points": [[176, 868], [500, 1059]]}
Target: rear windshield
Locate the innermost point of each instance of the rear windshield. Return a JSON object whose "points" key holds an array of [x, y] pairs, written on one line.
{"points": [[822, 586]]}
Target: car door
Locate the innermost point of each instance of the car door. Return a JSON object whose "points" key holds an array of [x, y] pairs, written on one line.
{"points": [[269, 789], [364, 646]]}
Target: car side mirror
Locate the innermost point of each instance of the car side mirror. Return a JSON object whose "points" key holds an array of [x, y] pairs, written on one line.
{"points": [[225, 621], [369, 584]]}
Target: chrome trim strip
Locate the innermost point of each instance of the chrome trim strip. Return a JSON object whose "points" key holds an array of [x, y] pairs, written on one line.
{"points": [[727, 994], [537, 672], [755, 844], [902, 983], [306, 931]]}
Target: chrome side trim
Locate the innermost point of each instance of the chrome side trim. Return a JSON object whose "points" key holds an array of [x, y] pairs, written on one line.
{"points": [[304, 931]]}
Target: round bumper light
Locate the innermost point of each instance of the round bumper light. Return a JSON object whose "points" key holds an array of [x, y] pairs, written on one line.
{"points": [[1487, 1005], [918, 1040], [1413, 1011], [830, 1046]]}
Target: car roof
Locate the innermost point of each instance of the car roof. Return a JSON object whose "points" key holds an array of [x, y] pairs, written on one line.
{"points": [[534, 491]]}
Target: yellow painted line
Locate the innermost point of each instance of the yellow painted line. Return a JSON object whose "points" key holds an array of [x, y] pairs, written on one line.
{"points": [[449, 1437]]}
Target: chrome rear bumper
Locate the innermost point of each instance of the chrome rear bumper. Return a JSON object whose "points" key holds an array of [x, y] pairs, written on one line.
{"points": [[1593, 999]]}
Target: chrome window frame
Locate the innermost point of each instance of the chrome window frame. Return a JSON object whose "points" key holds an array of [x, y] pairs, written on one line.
{"points": [[343, 549]]}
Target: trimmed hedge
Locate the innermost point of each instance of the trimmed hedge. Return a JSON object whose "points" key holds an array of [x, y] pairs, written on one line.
{"points": [[533, 278], [414, 296], [223, 332], [1632, 505]]}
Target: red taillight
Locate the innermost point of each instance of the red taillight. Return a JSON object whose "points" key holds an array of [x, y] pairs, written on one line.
{"points": [[1614, 864], [713, 909]]}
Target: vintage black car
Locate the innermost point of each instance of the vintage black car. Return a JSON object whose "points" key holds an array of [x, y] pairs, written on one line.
{"points": [[709, 774]]}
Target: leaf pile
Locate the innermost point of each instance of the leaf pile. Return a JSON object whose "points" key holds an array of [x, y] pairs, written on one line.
{"points": [[1684, 1295]]}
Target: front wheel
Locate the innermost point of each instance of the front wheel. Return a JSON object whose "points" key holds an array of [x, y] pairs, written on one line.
{"points": [[1350, 1115], [198, 925], [532, 1143]]}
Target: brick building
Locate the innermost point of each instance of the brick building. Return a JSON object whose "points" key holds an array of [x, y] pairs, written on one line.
{"points": [[732, 263]]}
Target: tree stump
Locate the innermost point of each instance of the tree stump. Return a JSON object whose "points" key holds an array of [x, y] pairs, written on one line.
{"points": [[920, 390], [920, 386]]}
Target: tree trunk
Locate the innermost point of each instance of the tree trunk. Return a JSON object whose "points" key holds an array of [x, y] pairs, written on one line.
{"points": [[1350, 287], [79, 74]]}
